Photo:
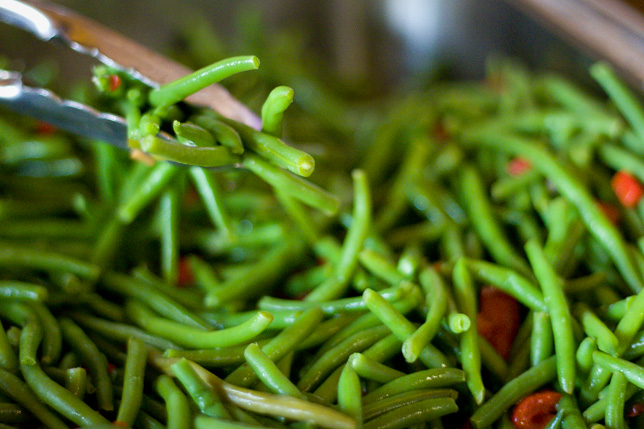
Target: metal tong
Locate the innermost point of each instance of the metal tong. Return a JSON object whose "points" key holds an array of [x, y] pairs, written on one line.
{"points": [[52, 23]]}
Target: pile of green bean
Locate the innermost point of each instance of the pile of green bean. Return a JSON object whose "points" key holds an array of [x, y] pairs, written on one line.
{"points": [[141, 293]]}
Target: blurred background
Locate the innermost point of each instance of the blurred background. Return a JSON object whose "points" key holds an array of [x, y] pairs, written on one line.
{"points": [[389, 40]]}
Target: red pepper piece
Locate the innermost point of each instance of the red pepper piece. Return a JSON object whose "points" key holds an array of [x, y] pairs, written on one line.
{"points": [[498, 319], [114, 82], [517, 166], [636, 409], [627, 188], [186, 277], [611, 212], [535, 411]]}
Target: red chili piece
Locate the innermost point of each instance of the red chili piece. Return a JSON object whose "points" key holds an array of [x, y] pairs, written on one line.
{"points": [[627, 188], [186, 276], [45, 128], [498, 319], [517, 166], [535, 411], [114, 82], [611, 212], [636, 409]]}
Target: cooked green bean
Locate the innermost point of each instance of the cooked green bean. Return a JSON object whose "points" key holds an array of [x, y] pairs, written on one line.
{"points": [[133, 383], [93, 358], [223, 133], [176, 403], [189, 336], [560, 316], [410, 414], [470, 354], [269, 373], [514, 390], [205, 397], [350, 394], [273, 109], [176, 91]]}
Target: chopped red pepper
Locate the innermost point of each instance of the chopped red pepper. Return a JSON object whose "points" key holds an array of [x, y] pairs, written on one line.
{"points": [[517, 166], [636, 409], [498, 319], [111, 368], [611, 212], [627, 188], [45, 128], [535, 411], [122, 424], [186, 277], [114, 82], [440, 132]]}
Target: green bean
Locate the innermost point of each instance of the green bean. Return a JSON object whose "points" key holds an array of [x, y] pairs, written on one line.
{"points": [[59, 398], [179, 414], [573, 418], [188, 336], [410, 414], [258, 278], [206, 156], [511, 392], [484, 222], [585, 354], [193, 135], [401, 327], [615, 401], [304, 191], [32, 332], [150, 186], [380, 266], [371, 369], [273, 109], [45, 260], [184, 296], [595, 328], [437, 301], [204, 422], [279, 405], [633, 372], [596, 222], [281, 344], [390, 403], [470, 354], [353, 243], [179, 89], [224, 134], [430, 378], [492, 360], [620, 95], [76, 382], [559, 315], [508, 281], [541, 341], [169, 207], [269, 373], [350, 394], [12, 413], [332, 307], [597, 410], [205, 397], [133, 383], [209, 190], [154, 298], [93, 358], [8, 358], [15, 388], [337, 355]]}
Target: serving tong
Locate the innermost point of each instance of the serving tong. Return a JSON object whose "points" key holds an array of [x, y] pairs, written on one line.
{"points": [[53, 23]]}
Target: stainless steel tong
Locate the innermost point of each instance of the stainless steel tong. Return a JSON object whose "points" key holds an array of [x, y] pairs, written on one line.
{"points": [[52, 23]]}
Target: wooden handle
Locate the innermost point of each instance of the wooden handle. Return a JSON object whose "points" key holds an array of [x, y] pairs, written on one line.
{"points": [[607, 29]]}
